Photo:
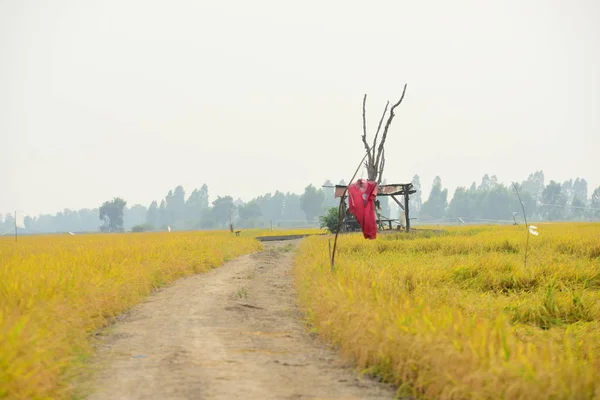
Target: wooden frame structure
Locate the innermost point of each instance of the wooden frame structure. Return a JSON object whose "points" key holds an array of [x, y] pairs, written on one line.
{"points": [[391, 190]]}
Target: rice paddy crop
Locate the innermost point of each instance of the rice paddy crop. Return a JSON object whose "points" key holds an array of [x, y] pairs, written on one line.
{"points": [[56, 291], [457, 315]]}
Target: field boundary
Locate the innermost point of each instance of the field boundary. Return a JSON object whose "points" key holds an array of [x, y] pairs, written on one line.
{"points": [[285, 237]]}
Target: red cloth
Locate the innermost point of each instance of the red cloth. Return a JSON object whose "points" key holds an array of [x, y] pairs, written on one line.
{"points": [[361, 202]]}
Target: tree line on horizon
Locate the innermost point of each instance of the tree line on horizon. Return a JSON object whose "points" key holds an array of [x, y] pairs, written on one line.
{"points": [[490, 200]]}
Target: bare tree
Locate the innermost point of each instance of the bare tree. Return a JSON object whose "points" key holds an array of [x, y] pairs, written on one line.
{"points": [[375, 161]]}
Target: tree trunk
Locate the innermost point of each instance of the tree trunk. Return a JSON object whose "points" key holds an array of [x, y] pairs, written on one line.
{"points": [[371, 172], [376, 153]]}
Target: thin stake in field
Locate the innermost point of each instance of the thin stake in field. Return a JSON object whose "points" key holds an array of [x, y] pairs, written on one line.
{"points": [[526, 224]]}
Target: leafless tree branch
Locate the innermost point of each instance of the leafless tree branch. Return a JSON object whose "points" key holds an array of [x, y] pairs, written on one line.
{"points": [[379, 128], [387, 126], [364, 136], [381, 167]]}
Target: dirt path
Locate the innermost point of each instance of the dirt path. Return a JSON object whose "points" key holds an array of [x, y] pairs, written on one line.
{"points": [[231, 333]]}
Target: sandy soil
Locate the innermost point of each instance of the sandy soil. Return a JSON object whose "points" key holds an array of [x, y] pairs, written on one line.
{"points": [[234, 332]]}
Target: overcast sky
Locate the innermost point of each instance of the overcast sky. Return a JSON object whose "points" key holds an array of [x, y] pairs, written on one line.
{"points": [[132, 98]]}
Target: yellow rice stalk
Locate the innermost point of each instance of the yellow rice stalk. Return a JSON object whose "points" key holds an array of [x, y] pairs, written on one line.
{"points": [[455, 315], [56, 291]]}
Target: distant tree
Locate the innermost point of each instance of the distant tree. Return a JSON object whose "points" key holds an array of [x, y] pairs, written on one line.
{"points": [[204, 196], [195, 206], [67, 221], [292, 211], [168, 211], [553, 202], [271, 206], [577, 211], [135, 215], [249, 214], [238, 203], [142, 228], [497, 202], [534, 185], [311, 202], [488, 183], [528, 202], [175, 207], [223, 208], [567, 190], [435, 206], [284, 209], [329, 192], [594, 211], [330, 220], [580, 190], [490, 200], [88, 218], [111, 213], [152, 214], [163, 216], [415, 200], [207, 220], [58, 221], [193, 210], [277, 205], [578, 202], [8, 223], [568, 193], [265, 206], [462, 204], [179, 206]]}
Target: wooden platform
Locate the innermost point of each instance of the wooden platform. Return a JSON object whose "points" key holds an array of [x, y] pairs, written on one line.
{"points": [[391, 190]]}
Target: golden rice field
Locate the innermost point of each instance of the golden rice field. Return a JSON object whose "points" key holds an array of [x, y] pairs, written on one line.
{"points": [[56, 291], [457, 315]]}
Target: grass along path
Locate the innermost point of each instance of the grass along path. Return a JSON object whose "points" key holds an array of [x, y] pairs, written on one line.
{"points": [[458, 316], [56, 291]]}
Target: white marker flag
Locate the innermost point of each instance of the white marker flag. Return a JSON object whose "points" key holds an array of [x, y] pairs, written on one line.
{"points": [[19, 221]]}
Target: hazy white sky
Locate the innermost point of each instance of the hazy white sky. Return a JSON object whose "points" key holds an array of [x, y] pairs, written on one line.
{"points": [[131, 98]]}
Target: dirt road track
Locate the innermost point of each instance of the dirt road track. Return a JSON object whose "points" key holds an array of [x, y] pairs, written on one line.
{"points": [[232, 333]]}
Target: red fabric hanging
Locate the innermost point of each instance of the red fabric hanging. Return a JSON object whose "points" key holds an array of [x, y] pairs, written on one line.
{"points": [[361, 203]]}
